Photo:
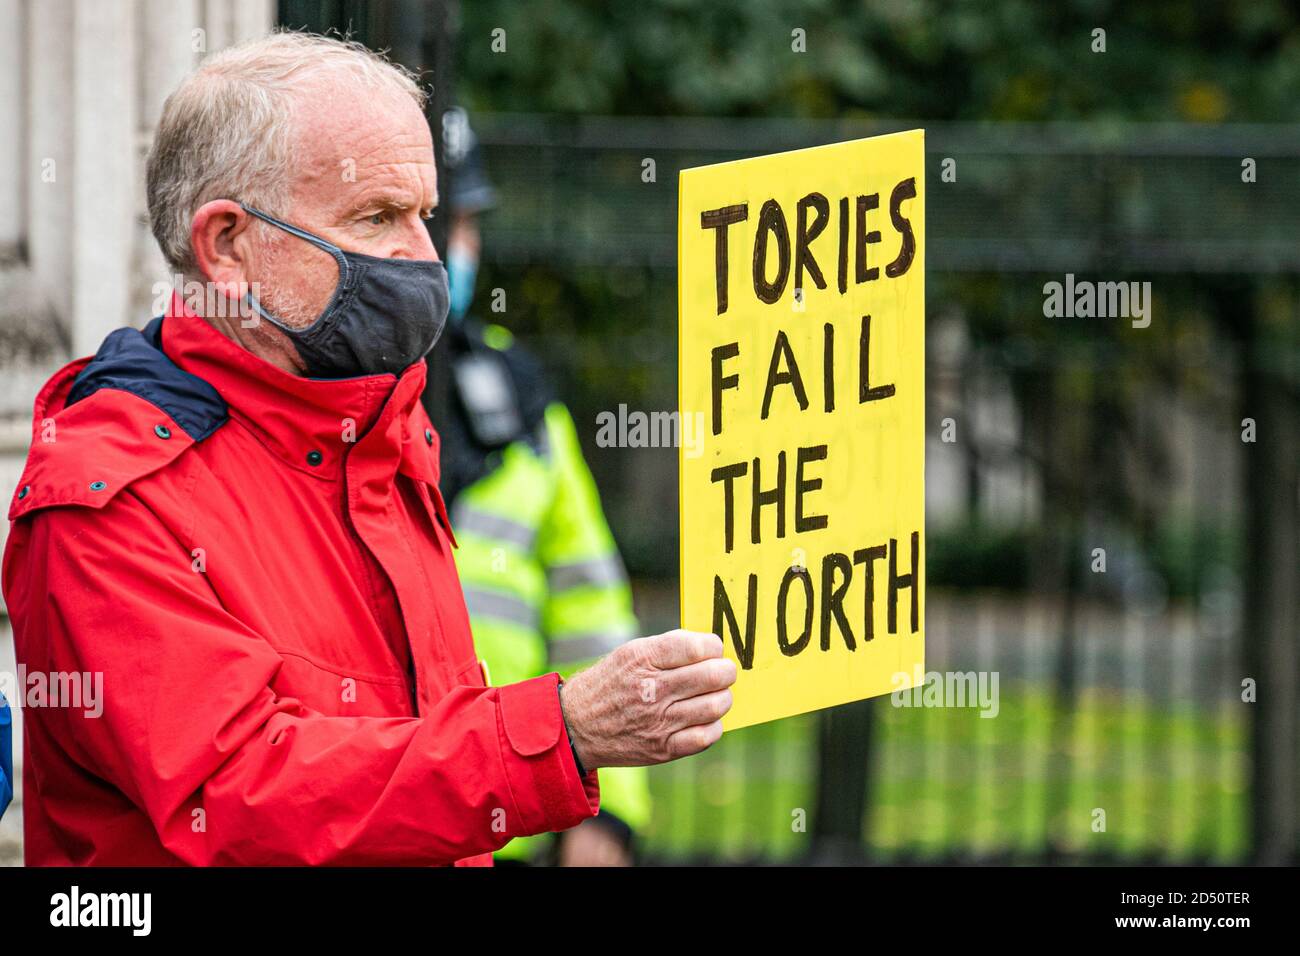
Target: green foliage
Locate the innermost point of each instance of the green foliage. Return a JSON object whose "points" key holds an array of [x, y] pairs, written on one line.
{"points": [[972, 59], [976, 555], [1190, 557]]}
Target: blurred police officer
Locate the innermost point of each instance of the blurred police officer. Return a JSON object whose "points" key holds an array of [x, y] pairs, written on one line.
{"points": [[544, 584]]}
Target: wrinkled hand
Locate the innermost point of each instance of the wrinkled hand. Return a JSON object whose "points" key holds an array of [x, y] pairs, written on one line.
{"points": [[650, 701]]}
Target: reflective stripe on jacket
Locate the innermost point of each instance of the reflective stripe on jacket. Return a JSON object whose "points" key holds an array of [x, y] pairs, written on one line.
{"points": [[260, 567]]}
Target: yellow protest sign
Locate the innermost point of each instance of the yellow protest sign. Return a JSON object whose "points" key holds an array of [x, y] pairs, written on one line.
{"points": [[802, 343]]}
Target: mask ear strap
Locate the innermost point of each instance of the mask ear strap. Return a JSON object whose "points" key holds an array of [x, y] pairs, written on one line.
{"points": [[317, 241]]}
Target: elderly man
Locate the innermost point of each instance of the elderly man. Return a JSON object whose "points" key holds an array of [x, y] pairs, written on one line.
{"points": [[234, 517]]}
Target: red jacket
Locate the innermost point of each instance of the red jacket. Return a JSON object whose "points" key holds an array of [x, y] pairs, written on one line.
{"points": [[260, 567]]}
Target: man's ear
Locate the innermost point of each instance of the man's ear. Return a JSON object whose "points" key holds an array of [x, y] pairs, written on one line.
{"points": [[221, 240]]}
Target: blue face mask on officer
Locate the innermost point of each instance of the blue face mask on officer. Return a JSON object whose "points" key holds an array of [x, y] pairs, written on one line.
{"points": [[385, 314], [462, 270]]}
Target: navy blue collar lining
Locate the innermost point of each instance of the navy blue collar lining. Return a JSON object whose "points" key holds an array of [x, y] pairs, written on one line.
{"points": [[133, 361]]}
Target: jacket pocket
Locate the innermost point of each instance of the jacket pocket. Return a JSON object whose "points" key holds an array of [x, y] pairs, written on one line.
{"points": [[471, 675]]}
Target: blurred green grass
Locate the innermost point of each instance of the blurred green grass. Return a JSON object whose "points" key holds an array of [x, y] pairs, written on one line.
{"points": [[945, 783]]}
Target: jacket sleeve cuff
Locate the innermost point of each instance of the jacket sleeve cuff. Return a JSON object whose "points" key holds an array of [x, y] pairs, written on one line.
{"points": [[548, 792]]}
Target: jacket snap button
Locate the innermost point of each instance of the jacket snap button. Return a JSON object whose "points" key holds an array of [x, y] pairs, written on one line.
{"points": [[428, 436], [162, 431], [27, 489], [314, 458], [97, 486]]}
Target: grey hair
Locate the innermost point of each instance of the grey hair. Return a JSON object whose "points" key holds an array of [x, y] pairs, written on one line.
{"points": [[226, 131]]}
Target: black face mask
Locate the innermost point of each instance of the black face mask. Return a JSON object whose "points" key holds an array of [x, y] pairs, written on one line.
{"points": [[385, 314]]}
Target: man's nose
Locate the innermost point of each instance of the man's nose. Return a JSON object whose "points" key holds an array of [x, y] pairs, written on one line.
{"points": [[415, 243]]}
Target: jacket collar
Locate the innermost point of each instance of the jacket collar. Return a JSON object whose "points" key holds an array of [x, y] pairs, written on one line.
{"points": [[300, 418]]}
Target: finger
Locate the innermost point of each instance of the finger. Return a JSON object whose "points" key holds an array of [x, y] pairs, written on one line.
{"points": [[704, 709], [679, 648], [693, 680], [691, 740]]}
